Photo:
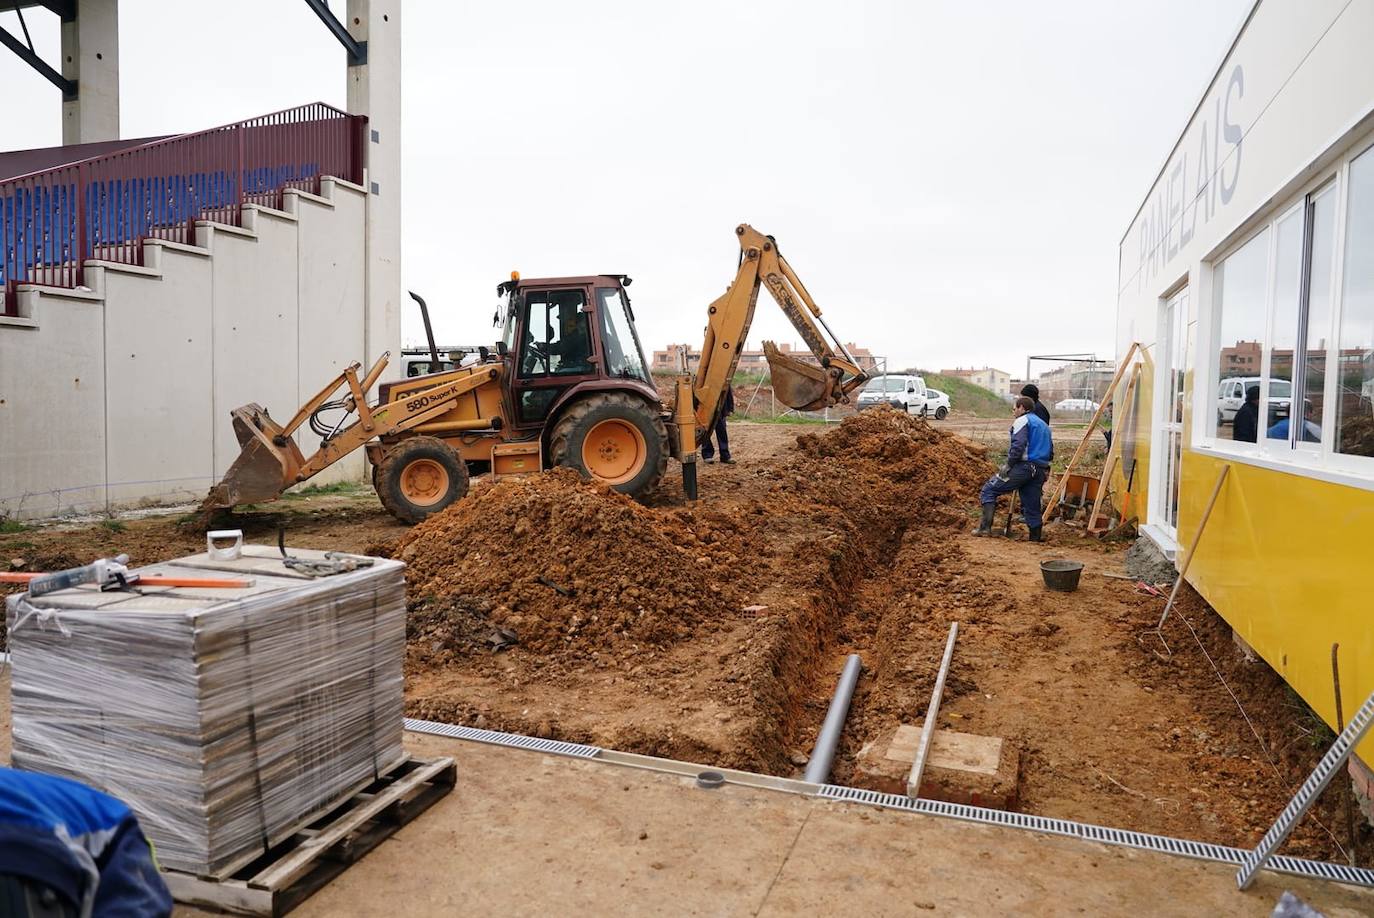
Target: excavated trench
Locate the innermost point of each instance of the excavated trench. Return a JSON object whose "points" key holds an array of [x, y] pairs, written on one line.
{"points": [[712, 633]]}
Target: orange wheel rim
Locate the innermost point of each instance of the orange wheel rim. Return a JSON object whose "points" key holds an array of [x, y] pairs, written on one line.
{"points": [[614, 451], [424, 482]]}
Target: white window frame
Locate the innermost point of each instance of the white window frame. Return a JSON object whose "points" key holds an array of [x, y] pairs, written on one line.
{"points": [[1320, 461]]}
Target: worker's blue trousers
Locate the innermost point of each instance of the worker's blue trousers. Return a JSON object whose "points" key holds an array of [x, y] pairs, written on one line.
{"points": [[1028, 480], [708, 451]]}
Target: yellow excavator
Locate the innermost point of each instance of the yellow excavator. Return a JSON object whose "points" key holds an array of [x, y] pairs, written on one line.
{"points": [[567, 385]]}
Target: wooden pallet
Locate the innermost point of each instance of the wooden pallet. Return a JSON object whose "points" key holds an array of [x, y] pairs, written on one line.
{"points": [[295, 869]]}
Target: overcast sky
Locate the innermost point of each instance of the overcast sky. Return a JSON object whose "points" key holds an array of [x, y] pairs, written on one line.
{"points": [[951, 180]]}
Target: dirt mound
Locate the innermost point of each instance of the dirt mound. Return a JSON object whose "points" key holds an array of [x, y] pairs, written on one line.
{"points": [[903, 449], [570, 566]]}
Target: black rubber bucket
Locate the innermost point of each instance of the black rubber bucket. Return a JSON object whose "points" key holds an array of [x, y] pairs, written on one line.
{"points": [[1061, 575]]}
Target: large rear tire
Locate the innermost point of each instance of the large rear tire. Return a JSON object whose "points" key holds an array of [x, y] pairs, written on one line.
{"points": [[615, 438], [418, 477]]}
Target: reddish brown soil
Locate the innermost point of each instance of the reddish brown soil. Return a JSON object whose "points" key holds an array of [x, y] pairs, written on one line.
{"points": [[852, 540]]}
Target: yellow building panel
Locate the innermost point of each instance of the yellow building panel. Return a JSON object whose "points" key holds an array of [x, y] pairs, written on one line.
{"points": [[1285, 561]]}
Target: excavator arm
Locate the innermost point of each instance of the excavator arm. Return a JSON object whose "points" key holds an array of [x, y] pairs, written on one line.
{"points": [[270, 461], [797, 383]]}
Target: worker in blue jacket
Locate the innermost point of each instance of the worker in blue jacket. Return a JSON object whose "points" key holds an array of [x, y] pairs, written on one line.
{"points": [[67, 849], [1027, 467]]}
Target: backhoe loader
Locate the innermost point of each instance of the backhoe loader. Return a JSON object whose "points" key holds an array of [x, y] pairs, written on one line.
{"points": [[567, 385]]}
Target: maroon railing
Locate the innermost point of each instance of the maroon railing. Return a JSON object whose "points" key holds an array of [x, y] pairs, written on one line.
{"points": [[51, 222]]}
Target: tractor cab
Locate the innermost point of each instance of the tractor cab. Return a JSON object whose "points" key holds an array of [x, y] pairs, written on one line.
{"points": [[565, 335]]}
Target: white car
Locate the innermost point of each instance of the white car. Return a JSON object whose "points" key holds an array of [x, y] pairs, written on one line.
{"points": [[897, 390], [1076, 404], [937, 404], [1231, 395]]}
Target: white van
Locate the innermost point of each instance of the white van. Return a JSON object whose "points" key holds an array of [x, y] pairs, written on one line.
{"points": [[1231, 395], [897, 390]]}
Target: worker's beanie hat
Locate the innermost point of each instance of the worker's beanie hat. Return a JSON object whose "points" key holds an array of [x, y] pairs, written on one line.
{"points": [[1031, 390], [1252, 394]]}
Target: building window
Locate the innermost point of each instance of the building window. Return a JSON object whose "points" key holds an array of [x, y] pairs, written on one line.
{"points": [[1240, 290], [1294, 330], [1301, 327], [1354, 396]]}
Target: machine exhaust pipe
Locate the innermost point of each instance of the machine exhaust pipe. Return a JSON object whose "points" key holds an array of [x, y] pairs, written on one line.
{"points": [[429, 331]]}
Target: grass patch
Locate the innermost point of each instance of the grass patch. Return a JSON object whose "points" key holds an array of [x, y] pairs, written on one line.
{"points": [[967, 399], [787, 419], [20, 545], [112, 525], [9, 526]]}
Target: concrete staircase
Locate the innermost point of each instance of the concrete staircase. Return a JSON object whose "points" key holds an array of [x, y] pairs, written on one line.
{"points": [[117, 394]]}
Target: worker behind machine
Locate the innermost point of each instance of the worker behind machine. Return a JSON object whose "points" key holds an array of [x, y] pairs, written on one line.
{"points": [[1029, 454], [1032, 392]]}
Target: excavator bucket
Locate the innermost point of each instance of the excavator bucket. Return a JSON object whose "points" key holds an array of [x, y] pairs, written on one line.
{"points": [[798, 384], [266, 466]]}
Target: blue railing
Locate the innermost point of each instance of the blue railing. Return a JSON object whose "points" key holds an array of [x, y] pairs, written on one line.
{"points": [[51, 222]]}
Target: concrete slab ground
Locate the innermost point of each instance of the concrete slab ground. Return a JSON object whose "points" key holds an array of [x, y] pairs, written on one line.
{"points": [[528, 833]]}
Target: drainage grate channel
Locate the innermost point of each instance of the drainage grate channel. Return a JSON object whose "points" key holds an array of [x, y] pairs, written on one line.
{"points": [[1342, 873], [496, 738], [1205, 851]]}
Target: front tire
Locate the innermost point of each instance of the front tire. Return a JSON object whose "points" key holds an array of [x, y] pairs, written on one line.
{"points": [[418, 477], [614, 438]]}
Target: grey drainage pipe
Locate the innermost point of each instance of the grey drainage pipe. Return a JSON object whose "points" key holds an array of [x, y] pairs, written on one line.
{"points": [[823, 756]]}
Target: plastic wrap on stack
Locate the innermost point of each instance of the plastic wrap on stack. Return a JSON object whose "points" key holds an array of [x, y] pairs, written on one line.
{"points": [[224, 717]]}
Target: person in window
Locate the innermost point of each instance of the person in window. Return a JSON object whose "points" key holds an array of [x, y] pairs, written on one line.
{"points": [[1311, 433], [1032, 392], [708, 452], [574, 343], [1245, 427], [1029, 455]]}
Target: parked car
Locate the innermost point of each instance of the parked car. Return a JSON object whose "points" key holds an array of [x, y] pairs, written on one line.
{"points": [[1231, 395], [937, 404], [897, 390], [1075, 404]]}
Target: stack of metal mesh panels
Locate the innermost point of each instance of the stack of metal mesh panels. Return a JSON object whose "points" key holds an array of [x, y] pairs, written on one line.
{"points": [[225, 717]]}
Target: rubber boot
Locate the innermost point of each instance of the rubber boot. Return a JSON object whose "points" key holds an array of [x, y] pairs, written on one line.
{"points": [[985, 524], [1035, 534]]}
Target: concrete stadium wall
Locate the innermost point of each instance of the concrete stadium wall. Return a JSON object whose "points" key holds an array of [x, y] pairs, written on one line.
{"points": [[119, 395]]}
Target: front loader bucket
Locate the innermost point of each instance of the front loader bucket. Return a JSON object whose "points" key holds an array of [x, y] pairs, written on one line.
{"points": [[798, 384], [263, 469]]}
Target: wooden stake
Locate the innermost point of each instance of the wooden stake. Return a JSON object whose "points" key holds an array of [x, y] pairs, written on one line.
{"points": [[1113, 454], [1192, 549], [1092, 426], [918, 767]]}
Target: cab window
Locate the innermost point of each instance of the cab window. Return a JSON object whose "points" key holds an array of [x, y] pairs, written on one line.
{"points": [[623, 356], [558, 338]]}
